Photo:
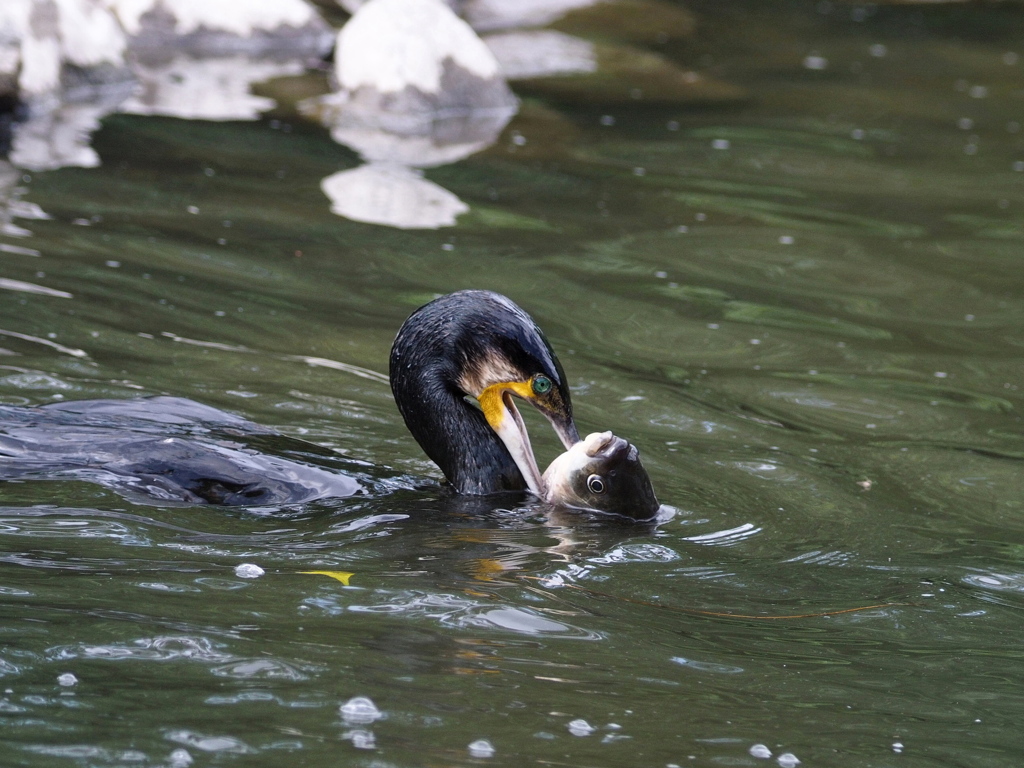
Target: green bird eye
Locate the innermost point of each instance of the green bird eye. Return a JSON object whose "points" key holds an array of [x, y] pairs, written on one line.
{"points": [[541, 385]]}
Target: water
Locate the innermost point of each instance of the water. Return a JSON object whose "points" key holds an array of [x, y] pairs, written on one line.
{"points": [[806, 311]]}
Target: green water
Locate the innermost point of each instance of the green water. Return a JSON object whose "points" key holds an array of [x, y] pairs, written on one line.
{"points": [[807, 311]]}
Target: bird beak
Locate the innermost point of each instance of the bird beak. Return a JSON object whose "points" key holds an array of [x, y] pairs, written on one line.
{"points": [[503, 416], [564, 427]]}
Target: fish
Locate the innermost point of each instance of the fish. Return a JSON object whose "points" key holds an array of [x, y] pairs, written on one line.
{"points": [[601, 473]]}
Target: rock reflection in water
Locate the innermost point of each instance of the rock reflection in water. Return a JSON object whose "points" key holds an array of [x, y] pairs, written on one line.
{"points": [[210, 88], [416, 89]]}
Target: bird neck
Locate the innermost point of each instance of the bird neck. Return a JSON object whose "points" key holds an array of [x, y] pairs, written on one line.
{"points": [[453, 433]]}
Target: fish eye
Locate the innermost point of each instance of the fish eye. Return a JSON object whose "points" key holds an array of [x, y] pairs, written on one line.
{"points": [[541, 384], [595, 483]]}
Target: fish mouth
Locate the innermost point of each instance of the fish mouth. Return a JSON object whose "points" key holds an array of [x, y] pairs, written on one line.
{"points": [[606, 446]]}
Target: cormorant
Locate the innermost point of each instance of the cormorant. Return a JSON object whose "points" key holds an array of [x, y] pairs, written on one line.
{"points": [[478, 345]]}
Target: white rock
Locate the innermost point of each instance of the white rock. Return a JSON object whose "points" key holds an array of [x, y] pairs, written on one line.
{"points": [[389, 45], [238, 17], [38, 36], [90, 34]]}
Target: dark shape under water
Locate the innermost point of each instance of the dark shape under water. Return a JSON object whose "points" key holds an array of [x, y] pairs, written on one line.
{"points": [[162, 449]]}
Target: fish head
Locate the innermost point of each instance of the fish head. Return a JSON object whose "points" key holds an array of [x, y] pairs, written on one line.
{"points": [[602, 473]]}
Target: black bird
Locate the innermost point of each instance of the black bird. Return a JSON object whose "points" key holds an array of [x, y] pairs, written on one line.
{"points": [[467, 346], [456, 366]]}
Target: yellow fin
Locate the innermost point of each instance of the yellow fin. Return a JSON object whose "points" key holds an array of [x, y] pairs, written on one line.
{"points": [[342, 576]]}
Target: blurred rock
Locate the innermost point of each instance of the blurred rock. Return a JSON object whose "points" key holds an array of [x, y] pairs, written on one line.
{"points": [[400, 64], [210, 88], [71, 62], [38, 38], [416, 89], [224, 27], [57, 129]]}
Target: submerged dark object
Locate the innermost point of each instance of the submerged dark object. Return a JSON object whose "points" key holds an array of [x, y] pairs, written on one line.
{"points": [[165, 449], [602, 473]]}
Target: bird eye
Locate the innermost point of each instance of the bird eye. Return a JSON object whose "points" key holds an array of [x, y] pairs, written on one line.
{"points": [[595, 484], [541, 384]]}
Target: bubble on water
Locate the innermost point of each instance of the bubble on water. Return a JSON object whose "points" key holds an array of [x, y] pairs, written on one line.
{"points": [[897, 747], [67, 680], [180, 758], [248, 571], [580, 727], [481, 748], [760, 751], [788, 760], [360, 710], [815, 62]]}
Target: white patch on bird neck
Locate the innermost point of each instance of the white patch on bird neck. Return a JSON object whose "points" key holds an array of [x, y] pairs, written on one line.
{"points": [[239, 17], [489, 369], [393, 44]]}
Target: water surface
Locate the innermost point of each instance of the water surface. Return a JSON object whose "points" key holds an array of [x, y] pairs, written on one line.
{"points": [[806, 309]]}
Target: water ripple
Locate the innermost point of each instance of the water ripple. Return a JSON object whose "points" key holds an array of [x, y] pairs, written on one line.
{"points": [[728, 537], [146, 649], [227, 744], [461, 612], [259, 669], [637, 553], [707, 666]]}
